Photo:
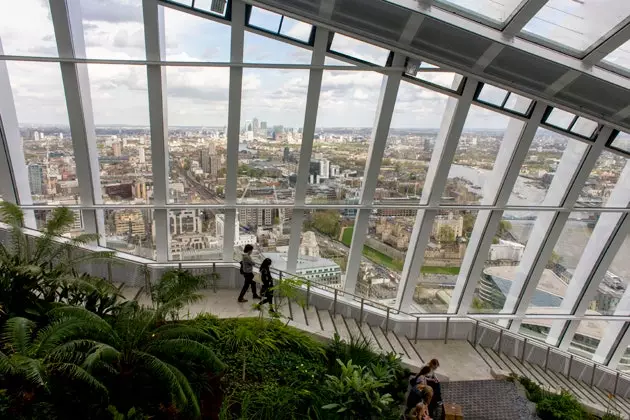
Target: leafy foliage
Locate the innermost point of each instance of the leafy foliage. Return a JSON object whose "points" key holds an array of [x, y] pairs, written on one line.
{"points": [[563, 406], [175, 289]]}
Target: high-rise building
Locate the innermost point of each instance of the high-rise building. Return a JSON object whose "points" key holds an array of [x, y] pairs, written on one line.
{"points": [[36, 179], [255, 124], [129, 223], [263, 125], [36, 136], [204, 161], [141, 157], [324, 169], [287, 155], [214, 162], [117, 148]]}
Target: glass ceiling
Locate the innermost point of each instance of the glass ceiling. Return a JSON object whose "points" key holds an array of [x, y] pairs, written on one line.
{"points": [[495, 11], [620, 57]]}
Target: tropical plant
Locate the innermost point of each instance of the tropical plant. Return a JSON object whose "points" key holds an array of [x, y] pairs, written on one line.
{"points": [[176, 289], [34, 270], [356, 349], [562, 406]]}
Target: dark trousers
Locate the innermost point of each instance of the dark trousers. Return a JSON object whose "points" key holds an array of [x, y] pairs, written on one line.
{"points": [[267, 293], [249, 280], [437, 394]]}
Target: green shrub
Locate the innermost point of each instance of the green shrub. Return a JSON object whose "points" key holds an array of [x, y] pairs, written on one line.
{"points": [[563, 406]]}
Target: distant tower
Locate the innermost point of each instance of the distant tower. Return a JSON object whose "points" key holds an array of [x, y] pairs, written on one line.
{"points": [[287, 155], [36, 136], [255, 124], [117, 149], [141, 156], [36, 179]]}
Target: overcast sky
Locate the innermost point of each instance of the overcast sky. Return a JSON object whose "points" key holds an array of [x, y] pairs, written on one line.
{"points": [[199, 96]]}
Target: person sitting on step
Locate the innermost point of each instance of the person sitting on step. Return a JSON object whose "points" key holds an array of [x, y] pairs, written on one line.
{"points": [[421, 410]]}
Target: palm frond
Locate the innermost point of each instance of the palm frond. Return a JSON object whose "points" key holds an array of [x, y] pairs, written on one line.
{"points": [[186, 349], [73, 351], [7, 367], [32, 370], [61, 221], [188, 391], [100, 353], [163, 373], [11, 214], [176, 330], [17, 334], [77, 373]]}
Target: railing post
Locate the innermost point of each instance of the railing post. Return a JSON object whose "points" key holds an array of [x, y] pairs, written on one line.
{"points": [[547, 358], [109, 271], [361, 312], [593, 374], [308, 293], [214, 280], [475, 336], [275, 295], [448, 319], [570, 366], [523, 351], [616, 384], [387, 321], [179, 266], [147, 279], [335, 303], [416, 337], [500, 349]]}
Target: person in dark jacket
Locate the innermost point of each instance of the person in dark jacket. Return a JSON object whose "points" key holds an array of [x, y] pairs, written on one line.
{"points": [[247, 270], [267, 280]]}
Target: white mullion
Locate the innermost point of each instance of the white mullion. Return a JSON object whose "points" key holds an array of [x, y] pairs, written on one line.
{"points": [[523, 16], [234, 100], [68, 27], [297, 220], [230, 229], [599, 52], [310, 116], [355, 255], [610, 351], [443, 153], [572, 172], [14, 188], [496, 190]]}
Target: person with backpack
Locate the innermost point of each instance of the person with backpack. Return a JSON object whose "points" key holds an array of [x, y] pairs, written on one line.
{"points": [[267, 280], [247, 270]]}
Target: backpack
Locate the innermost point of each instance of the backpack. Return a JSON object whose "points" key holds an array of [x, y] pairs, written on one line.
{"points": [[241, 268]]}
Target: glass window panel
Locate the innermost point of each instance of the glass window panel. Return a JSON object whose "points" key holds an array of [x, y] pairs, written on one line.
{"points": [[193, 38], [502, 262], [556, 276], [121, 115], [321, 248], [491, 10], [560, 118], [447, 80], [265, 19], [602, 180], [260, 49], [197, 118], [130, 231], [576, 25], [410, 143], [114, 36], [587, 337], [442, 260], [342, 139], [216, 7], [584, 127], [43, 216], [474, 158], [492, 95], [296, 29], [26, 28], [194, 235], [518, 103], [272, 113], [184, 2], [43, 120], [620, 57], [358, 49], [622, 142], [540, 166]]}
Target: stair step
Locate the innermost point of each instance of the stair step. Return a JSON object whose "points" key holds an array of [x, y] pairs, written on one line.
{"points": [[312, 318], [380, 337], [353, 328], [285, 311], [393, 341], [497, 359], [340, 326], [369, 337], [298, 313], [409, 349], [326, 320], [542, 377]]}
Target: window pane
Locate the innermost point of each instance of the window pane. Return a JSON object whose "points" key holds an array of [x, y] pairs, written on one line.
{"points": [[503, 259], [442, 260], [260, 49], [492, 95], [272, 115], [494, 11], [622, 142], [185, 35], [130, 231], [120, 101], [358, 49], [602, 180], [296, 29], [584, 127], [115, 36], [558, 272], [576, 25], [560, 118], [518, 103], [26, 28], [384, 252], [474, 158], [43, 119], [265, 19], [193, 234], [620, 57], [447, 80], [342, 139], [197, 97], [410, 142], [540, 166]]}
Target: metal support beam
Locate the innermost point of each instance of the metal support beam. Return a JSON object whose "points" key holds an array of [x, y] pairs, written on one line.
{"points": [[310, 117], [522, 16], [356, 249], [68, 26], [230, 230], [610, 44], [443, 153], [234, 103], [573, 170], [496, 190], [297, 220]]}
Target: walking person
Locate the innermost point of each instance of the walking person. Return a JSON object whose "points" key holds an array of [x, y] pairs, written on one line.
{"points": [[267, 280], [247, 270]]}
